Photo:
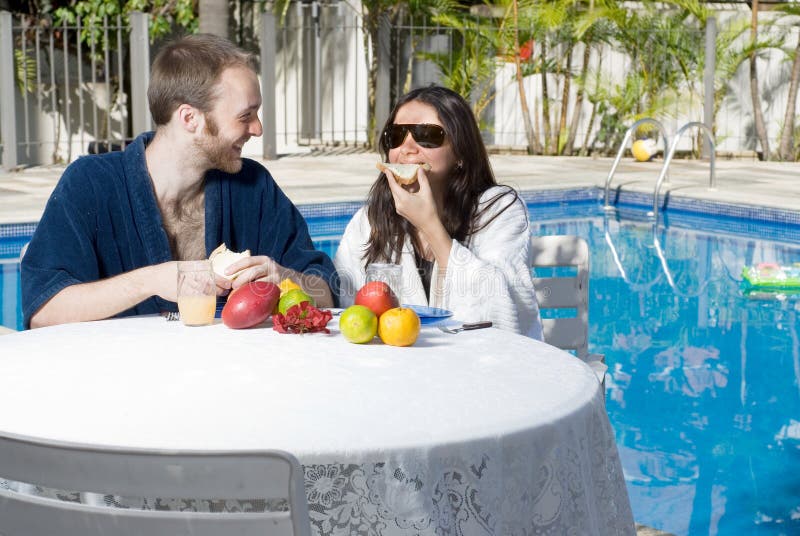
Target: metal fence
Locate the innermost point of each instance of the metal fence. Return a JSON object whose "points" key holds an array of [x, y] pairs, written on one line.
{"points": [[66, 89], [62, 96], [68, 94], [321, 77]]}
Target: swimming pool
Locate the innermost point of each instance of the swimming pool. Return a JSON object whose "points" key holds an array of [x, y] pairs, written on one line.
{"points": [[704, 384], [703, 389]]}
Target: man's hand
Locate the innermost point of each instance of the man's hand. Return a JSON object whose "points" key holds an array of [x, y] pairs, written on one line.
{"points": [[224, 286], [163, 280], [263, 268], [257, 268]]}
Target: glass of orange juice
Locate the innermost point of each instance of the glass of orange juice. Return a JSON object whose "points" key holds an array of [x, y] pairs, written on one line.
{"points": [[197, 293]]}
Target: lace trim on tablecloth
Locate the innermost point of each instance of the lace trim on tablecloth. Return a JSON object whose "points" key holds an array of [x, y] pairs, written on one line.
{"points": [[571, 485]]}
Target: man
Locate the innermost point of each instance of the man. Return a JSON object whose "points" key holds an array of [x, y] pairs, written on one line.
{"points": [[116, 224]]}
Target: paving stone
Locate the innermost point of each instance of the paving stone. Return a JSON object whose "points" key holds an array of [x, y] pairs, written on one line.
{"points": [[347, 174]]}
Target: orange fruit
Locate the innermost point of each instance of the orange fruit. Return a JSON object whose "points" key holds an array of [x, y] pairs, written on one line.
{"points": [[358, 324], [399, 327]]}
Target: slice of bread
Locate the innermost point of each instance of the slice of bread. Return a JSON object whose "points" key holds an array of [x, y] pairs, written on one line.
{"points": [[403, 173], [222, 257]]}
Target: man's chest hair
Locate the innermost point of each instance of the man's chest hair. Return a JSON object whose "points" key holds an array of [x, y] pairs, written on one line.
{"points": [[185, 228]]}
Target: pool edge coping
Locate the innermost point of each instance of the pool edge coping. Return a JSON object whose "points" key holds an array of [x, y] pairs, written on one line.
{"points": [[671, 202]]}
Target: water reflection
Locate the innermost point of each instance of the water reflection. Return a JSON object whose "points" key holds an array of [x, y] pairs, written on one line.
{"points": [[704, 380]]}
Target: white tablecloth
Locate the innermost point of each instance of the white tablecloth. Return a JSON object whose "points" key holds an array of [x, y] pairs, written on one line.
{"points": [[483, 432]]}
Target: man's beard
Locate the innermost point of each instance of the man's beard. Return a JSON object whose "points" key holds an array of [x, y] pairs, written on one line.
{"points": [[217, 150]]}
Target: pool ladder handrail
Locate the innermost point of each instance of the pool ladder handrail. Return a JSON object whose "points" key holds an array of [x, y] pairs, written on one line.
{"points": [[665, 270], [628, 134], [637, 287], [712, 182]]}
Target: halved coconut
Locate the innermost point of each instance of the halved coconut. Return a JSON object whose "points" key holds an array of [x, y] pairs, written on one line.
{"points": [[403, 173], [222, 257]]}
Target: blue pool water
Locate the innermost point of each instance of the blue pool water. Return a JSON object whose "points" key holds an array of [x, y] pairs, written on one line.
{"points": [[703, 389]]}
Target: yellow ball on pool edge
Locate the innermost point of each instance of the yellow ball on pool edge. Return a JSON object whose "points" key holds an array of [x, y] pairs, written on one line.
{"points": [[644, 149]]}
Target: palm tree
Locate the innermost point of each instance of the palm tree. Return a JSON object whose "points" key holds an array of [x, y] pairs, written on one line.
{"points": [[547, 24], [730, 56], [523, 101], [758, 114], [786, 148], [470, 67], [591, 29], [661, 45], [213, 16], [513, 23]]}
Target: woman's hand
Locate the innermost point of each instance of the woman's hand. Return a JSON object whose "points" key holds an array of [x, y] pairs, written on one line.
{"points": [[419, 207], [415, 202]]}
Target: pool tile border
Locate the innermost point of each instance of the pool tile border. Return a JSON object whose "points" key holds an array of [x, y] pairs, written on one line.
{"points": [[567, 195], [708, 207], [322, 210], [548, 196], [15, 230]]}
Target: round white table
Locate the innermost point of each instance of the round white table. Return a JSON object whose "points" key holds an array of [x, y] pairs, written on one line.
{"points": [[483, 432]]}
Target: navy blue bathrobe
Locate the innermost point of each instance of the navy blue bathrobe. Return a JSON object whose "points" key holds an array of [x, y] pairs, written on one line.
{"points": [[102, 220]]}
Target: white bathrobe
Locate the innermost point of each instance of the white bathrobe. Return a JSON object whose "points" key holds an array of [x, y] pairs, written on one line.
{"points": [[487, 279]]}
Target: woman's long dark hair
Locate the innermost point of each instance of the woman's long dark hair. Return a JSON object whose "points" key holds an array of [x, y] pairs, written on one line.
{"points": [[464, 187]]}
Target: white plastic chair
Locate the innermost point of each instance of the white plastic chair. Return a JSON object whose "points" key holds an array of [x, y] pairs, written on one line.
{"points": [[561, 291], [146, 473]]}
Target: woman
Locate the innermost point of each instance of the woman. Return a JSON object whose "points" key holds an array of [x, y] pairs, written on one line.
{"points": [[462, 239]]}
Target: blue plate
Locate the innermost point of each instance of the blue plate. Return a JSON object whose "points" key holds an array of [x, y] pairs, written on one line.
{"points": [[429, 315]]}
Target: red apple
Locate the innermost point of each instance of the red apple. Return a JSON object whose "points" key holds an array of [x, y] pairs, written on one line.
{"points": [[250, 304], [377, 296]]}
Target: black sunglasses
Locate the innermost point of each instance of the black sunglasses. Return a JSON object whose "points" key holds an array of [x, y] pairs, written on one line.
{"points": [[428, 136]]}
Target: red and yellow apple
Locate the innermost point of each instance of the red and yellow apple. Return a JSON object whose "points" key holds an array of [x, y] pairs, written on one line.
{"points": [[377, 296]]}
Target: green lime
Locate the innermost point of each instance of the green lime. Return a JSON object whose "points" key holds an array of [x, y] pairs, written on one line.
{"points": [[358, 324], [292, 298]]}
